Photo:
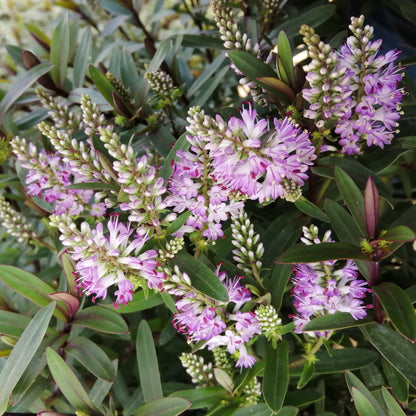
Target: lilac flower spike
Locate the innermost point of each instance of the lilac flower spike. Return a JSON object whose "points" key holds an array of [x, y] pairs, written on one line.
{"points": [[107, 257], [325, 288]]}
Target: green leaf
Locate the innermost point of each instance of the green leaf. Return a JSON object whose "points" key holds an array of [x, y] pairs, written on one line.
{"points": [[202, 41], [260, 409], [12, 324], [22, 353], [103, 85], [337, 320], [363, 404], [400, 353], [30, 287], [353, 197], [276, 376], [68, 383], [60, 52], [280, 278], [276, 87], [223, 379], [398, 383], [202, 277], [400, 233], [202, 397], [92, 357], [181, 144], [307, 373], [168, 406], [308, 208], [392, 406], [303, 398], [321, 252], [342, 223], [81, 58], [21, 83], [141, 302], [313, 17], [285, 60], [148, 365], [398, 307], [354, 382], [102, 319], [340, 360], [251, 66]]}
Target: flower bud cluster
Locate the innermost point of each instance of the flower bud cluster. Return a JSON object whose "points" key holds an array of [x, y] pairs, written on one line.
{"points": [[196, 367], [248, 250], [59, 112], [15, 223], [161, 83], [269, 322], [120, 88]]}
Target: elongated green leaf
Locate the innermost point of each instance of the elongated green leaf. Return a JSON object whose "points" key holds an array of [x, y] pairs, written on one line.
{"points": [[354, 382], [312, 17], [168, 406], [398, 307], [167, 169], [250, 66], [22, 83], [23, 352], [303, 397], [30, 287], [38, 34], [101, 388], [141, 302], [342, 223], [202, 277], [308, 208], [321, 252], [393, 407], [398, 383], [260, 409], [399, 233], [363, 404], [12, 324], [400, 353], [338, 320], [307, 373], [277, 86], [101, 319], [92, 357], [81, 58], [276, 376], [352, 197], [102, 83], [60, 52], [285, 61], [68, 383], [340, 360], [280, 277], [200, 41], [148, 365], [203, 397]]}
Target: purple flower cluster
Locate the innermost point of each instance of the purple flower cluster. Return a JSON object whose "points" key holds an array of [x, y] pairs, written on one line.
{"points": [[49, 178], [208, 320], [104, 259], [366, 98], [324, 288], [234, 162]]}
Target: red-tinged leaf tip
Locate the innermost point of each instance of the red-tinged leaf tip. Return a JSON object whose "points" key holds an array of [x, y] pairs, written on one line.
{"points": [[371, 207]]}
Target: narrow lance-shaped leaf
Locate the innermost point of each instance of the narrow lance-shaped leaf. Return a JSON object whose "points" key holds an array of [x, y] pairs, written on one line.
{"points": [[400, 353], [398, 307], [352, 197], [285, 62], [276, 376], [22, 83], [148, 365], [321, 252], [68, 383], [60, 52], [168, 406], [23, 352]]}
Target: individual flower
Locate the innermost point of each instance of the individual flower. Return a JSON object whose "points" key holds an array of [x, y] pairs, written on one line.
{"points": [[109, 256], [326, 287]]}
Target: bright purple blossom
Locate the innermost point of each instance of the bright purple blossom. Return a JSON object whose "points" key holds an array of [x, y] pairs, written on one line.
{"points": [[325, 288]]}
